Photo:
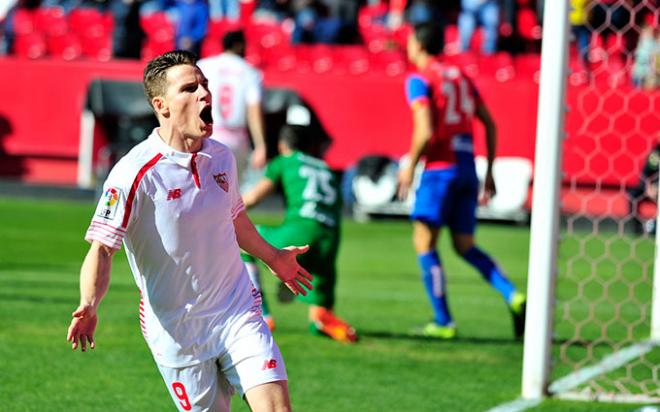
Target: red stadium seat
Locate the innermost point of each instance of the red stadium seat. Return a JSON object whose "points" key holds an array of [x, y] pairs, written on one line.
{"points": [[152, 48], [23, 22], [500, 65], [267, 35], [66, 46], [87, 22], [211, 46], [158, 28], [528, 24], [393, 63], [51, 21], [353, 59], [94, 30], [528, 65], [99, 48], [30, 45], [218, 28]]}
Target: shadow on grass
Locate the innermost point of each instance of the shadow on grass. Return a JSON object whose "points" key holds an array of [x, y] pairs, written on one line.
{"points": [[458, 339]]}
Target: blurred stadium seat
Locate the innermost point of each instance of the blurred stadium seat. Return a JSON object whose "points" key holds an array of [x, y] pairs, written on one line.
{"points": [[30, 45], [50, 21], [65, 46]]}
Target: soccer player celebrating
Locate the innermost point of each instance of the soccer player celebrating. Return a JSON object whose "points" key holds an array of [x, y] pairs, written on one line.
{"points": [[173, 201], [313, 214], [443, 103]]}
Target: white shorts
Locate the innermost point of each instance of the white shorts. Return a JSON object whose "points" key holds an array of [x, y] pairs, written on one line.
{"points": [[250, 359]]}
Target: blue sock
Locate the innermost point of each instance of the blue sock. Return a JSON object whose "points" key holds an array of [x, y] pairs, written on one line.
{"points": [[490, 272], [434, 282]]}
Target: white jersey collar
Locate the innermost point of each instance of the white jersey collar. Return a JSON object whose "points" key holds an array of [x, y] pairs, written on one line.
{"points": [[183, 159]]}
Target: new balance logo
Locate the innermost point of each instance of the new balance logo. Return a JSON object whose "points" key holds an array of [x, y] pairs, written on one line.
{"points": [[173, 194], [269, 364]]}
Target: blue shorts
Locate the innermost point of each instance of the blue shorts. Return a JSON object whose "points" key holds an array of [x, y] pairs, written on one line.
{"points": [[448, 197]]}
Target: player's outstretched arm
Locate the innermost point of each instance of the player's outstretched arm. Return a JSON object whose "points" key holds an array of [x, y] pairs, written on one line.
{"points": [[282, 262], [94, 282], [259, 192]]}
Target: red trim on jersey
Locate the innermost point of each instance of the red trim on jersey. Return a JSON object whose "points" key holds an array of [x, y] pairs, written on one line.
{"points": [[111, 228], [193, 167], [438, 164], [136, 183]]}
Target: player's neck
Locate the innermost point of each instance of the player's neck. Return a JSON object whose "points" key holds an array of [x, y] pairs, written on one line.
{"points": [[179, 142], [423, 61]]}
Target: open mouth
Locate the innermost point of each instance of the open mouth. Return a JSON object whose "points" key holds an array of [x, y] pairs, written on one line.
{"points": [[206, 115]]}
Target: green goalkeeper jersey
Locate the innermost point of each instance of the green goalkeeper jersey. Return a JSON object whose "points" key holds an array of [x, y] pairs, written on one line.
{"points": [[311, 189]]}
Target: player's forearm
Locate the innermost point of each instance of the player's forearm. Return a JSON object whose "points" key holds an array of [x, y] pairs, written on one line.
{"points": [[420, 140], [256, 125], [95, 275], [483, 114], [251, 241], [422, 132]]}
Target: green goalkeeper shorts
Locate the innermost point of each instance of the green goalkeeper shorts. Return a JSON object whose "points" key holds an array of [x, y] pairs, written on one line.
{"points": [[319, 260]]}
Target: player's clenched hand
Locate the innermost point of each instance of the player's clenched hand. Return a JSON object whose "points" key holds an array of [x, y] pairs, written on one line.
{"points": [[405, 180], [489, 188], [286, 267], [83, 325]]}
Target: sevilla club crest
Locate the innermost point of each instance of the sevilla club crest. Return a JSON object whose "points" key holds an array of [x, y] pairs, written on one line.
{"points": [[221, 180]]}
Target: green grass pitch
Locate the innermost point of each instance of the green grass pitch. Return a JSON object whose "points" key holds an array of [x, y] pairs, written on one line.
{"points": [[379, 291]]}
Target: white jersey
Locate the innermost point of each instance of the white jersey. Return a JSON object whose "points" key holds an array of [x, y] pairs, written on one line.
{"points": [[174, 212], [234, 84]]}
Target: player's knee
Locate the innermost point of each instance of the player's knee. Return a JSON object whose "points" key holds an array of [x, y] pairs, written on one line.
{"points": [[462, 246]]}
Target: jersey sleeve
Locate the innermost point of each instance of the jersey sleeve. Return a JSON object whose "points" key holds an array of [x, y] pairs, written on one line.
{"points": [[254, 87], [417, 90], [274, 170], [110, 219]]}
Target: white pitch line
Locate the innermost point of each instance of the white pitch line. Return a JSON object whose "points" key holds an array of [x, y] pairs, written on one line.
{"points": [[517, 405], [608, 363]]}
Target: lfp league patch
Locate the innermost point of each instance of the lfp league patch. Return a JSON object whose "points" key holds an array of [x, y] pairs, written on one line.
{"points": [[108, 204]]}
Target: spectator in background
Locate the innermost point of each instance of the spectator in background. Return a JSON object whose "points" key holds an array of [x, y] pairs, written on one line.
{"points": [[646, 190], [190, 18], [424, 11], [314, 23], [579, 18], [272, 10], [613, 17], [224, 9], [236, 87], [6, 25], [646, 68], [479, 12]]}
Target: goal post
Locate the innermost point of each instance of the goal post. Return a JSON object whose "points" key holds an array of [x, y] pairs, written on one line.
{"points": [[545, 216], [593, 314]]}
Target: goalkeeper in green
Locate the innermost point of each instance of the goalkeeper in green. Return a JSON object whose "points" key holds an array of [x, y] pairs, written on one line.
{"points": [[313, 216]]}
